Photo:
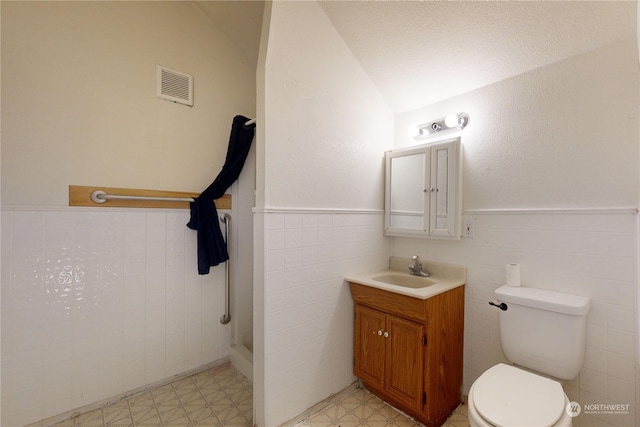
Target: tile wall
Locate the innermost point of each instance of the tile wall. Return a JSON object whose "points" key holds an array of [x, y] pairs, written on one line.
{"points": [[583, 252], [308, 306], [99, 301]]}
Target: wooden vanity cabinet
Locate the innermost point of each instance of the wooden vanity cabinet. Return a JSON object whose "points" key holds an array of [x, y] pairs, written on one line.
{"points": [[389, 354], [408, 351]]}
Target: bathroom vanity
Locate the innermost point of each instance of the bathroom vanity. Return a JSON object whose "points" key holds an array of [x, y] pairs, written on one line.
{"points": [[408, 337]]}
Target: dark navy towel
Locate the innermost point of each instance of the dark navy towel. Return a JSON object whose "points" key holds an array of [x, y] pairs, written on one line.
{"points": [[212, 249]]}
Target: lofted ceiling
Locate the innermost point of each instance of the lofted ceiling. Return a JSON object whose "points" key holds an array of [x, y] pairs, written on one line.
{"points": [[239, 20], [421, 52]]}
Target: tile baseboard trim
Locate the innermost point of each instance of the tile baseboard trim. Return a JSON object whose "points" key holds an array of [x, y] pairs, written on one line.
{"points": [[320, 405]]}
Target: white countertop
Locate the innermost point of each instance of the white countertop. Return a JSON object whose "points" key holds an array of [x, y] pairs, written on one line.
{"points": [[445, 276]]}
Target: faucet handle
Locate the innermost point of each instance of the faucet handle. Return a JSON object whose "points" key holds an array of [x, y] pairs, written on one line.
{"points": [[415, 259]]}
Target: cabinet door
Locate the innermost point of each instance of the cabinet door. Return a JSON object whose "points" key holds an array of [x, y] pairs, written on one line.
{"points": [[405, 361], [369, 345], [444, 190], [406, 194]]}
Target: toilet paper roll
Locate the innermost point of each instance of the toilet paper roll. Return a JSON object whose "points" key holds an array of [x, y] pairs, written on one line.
{"points": [[513, 274]]}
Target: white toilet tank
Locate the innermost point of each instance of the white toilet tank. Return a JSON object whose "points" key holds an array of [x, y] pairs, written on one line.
{"points": [[543, 330]]}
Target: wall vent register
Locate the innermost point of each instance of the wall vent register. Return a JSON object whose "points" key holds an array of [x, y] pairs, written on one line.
{"points": [[174, 86]]}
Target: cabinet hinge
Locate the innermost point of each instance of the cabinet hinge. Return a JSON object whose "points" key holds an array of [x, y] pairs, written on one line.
{"points": [[424, 340], [424, 398]]}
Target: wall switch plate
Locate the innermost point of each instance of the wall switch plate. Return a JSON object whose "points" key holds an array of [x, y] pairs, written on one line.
{"points": [[468, 229]]}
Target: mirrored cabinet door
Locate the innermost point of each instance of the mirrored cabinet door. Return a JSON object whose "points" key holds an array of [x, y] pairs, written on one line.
{"points": [[408, 197]]}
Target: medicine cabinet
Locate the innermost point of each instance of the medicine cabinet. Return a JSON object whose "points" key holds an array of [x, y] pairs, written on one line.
{"points": [[423, 190]]}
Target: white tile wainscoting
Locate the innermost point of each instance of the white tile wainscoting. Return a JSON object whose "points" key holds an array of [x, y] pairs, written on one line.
{"points": [[100, 301], [308, 310], [143, 310]]}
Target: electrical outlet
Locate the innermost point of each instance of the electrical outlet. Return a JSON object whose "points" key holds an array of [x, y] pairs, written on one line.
{"points": [[468, 229]]}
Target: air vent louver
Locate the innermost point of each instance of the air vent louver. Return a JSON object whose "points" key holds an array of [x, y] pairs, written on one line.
{"points": [[174, 86]]}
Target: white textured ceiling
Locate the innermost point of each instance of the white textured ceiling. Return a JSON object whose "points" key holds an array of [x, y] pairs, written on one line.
{"points": [[240, 21], [420, 52]]}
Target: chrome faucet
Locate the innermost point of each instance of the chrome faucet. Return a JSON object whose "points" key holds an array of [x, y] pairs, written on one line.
{"points": [[416, 267]]}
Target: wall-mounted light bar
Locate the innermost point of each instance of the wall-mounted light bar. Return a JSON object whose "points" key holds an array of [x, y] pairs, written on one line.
{"points": [[452, 121]]}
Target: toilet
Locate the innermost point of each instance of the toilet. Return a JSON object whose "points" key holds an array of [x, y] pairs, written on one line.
{"points": [[543, 333]]}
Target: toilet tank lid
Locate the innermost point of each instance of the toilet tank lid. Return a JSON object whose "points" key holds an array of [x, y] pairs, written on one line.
{"points": [[543, 299]]}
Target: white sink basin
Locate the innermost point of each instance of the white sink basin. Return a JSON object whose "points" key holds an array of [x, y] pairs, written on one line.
{"points": [[397, 279], [405, 280]]}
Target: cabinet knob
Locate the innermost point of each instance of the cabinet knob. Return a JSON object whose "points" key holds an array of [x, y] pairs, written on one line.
{"points": [[386, 334], [380, 332]]}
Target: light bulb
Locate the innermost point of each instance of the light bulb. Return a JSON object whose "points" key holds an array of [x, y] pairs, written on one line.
{"points": [[452, 120], [413, 131]]}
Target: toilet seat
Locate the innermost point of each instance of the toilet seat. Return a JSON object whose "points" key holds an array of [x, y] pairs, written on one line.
{"points": [[508, 396]]}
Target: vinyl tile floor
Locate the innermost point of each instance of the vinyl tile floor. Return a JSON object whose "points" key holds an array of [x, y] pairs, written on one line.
{"points": [[359, 408], [218, 397], [222, 396]]}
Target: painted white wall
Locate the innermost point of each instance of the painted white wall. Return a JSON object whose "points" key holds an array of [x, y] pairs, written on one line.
{"points": [[326, 122], [564, 135], [78, 91], [542, 150], [319, 216], [79, 107]]}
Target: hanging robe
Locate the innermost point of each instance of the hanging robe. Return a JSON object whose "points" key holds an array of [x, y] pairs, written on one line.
{"points": [[212, 249]]}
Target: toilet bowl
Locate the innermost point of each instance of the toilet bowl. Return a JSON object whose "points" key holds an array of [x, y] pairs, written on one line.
{"points": [[506, 396]]}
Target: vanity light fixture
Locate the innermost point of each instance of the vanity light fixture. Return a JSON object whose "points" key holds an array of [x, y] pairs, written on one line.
{"points": [[452, 121]]}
